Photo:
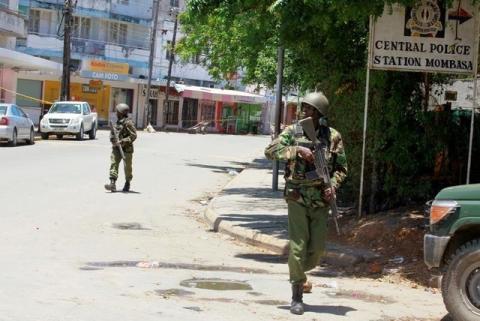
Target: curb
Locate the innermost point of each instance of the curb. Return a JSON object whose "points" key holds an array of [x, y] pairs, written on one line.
{"points": [[335, 254]]}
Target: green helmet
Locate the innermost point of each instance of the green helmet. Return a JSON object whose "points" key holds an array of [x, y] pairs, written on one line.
{"points": [[122, 108], [318, 101]]}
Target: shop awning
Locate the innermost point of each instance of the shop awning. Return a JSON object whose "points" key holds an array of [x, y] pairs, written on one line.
{"points": [[21, 61], [215, 94]]}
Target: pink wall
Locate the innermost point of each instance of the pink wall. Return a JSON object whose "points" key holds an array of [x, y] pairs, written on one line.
{"points": [[8, 80]]}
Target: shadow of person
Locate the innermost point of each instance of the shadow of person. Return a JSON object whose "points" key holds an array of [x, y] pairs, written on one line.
{"points": [[325, 309], [130, 192]]}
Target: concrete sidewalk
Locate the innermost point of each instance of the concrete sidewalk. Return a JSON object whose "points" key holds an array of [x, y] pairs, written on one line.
{"points": [[248, 210]]}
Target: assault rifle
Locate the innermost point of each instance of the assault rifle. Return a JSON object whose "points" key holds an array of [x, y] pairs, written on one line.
{"points": [[116, 140], [321, 168]]}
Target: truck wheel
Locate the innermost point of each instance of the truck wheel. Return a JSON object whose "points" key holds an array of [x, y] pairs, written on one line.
{"points": [[93, 132], [461, 283], [79, 136]]}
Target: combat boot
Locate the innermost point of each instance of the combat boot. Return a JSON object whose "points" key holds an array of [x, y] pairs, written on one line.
{"points": [[297, 299], [111, 187], [126, 187]]}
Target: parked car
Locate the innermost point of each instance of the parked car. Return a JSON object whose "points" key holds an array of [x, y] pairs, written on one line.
{"points": [[69, 118], [15, 125], [453, 245]]}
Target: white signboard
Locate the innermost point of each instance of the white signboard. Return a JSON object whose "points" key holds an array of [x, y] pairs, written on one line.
{"points": [[426, 37]]}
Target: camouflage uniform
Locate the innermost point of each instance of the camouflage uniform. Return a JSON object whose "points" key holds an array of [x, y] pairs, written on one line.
{"points": [[307, 208], [127, 134]]}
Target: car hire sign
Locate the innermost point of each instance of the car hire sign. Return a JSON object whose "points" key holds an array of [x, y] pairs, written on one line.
{"points": [[426, 37]]}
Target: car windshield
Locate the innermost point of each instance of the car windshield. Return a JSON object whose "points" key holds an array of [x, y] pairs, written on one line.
{"points": [[65, 109], [3, 110]]}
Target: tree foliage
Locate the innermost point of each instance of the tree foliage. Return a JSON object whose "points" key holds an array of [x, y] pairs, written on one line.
{"points": [[326, 48]]}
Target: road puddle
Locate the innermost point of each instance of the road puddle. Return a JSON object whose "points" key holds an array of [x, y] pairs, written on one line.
{"points": [[216, 284], [129, 226], [359, 295], [173, 292]]}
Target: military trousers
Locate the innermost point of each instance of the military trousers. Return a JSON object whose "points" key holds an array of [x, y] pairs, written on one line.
{"points": [[115, 159], [307, 229]]}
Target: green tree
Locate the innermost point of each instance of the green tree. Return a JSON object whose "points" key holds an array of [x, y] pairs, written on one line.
{"points": [[326, 48]]}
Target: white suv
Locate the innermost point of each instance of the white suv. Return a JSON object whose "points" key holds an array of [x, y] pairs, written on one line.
{"points": [[69, 118]]}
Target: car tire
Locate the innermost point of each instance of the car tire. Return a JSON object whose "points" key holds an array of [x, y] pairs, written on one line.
{"points": [[14, 141], [461, 283], [93, 132], [31, 140], [44, 136], [80, 134], [59, 136]]}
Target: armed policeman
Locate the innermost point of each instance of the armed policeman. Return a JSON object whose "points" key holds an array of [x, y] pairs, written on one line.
{"points": [[308, 198], [123, 134]]}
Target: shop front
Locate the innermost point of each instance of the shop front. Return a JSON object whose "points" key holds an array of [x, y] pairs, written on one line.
{"points": [[225, 110]]}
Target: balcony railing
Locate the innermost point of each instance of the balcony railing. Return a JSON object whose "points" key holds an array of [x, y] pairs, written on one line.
{"points": [[88, 47]]}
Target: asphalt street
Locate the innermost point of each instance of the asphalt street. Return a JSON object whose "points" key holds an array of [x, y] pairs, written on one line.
{"points": [[72, 251]]}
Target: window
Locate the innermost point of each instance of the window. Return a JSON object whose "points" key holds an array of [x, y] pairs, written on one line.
{"points": [[195, 59], [81, 27], [118, 33], [86, 110], [174, 3], [172, 112], [34, 21], [125, 2], [4, 3], [169, 51], [122, 95], [208, 112]]}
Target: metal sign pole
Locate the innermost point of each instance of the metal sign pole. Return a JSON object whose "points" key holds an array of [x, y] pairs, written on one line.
{"points": [[474, 104], [365, 119]]}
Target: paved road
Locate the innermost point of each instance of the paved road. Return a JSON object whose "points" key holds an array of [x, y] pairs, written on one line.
{"points": [[71, 251]]}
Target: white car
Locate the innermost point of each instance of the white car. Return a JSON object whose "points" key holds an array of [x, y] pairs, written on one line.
{"points": [[15, 125], [69, 118]]}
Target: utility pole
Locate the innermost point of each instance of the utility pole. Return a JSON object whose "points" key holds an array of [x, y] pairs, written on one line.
{"points": [[153, 36], [278, 106], [67, 29], [171, 58]]}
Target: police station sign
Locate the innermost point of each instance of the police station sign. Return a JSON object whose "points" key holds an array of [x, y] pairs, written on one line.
{"points": [[426, 37]]}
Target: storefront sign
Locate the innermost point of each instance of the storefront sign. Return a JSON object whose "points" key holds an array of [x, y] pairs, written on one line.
{"points": [[427, 37], [88, 89], [154, 92], [103, 75], [94, 83], [106, 67]]}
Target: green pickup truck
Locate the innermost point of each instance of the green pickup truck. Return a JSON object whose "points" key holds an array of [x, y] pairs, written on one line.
{"points": [[452, 245]]}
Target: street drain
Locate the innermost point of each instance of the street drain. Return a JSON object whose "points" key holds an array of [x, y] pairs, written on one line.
{"points": [[173, 292], [129, 226], [362, 296], [216, 284]]}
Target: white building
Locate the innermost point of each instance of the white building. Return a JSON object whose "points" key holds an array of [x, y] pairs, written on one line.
{"points": [[13, 25]]}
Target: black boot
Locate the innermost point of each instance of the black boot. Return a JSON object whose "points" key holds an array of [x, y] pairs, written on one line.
{"points": [[126, 187], [297, 299], [111, 187]]}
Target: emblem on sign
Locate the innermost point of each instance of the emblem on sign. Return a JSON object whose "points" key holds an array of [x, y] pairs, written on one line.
{"points": [[425, 19]]}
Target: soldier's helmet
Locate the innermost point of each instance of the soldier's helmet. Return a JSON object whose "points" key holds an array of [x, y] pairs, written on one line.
{"points": [[122, 108], [318, 101]]}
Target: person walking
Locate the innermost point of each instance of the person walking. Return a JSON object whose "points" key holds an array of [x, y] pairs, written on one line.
{"points": [[127, 133], [307, 199]]}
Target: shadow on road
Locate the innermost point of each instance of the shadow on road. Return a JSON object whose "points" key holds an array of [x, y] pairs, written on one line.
{"points": [[326, 309], [274, 225], [265, 258]]}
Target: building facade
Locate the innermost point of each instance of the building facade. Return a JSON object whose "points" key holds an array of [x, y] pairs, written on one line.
{"points": [[13, 27]]}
